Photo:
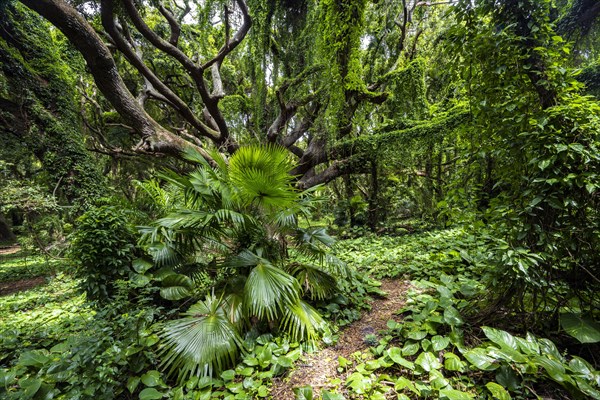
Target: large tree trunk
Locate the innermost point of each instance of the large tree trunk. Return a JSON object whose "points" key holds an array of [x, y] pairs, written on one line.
{"points": [[154, 138], [6, 234]]}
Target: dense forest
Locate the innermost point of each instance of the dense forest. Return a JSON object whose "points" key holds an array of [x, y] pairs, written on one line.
{"points": [[298, 199]]}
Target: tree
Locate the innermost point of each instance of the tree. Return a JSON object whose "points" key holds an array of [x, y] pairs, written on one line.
{"points": [[195, 74], [239, 221], [543, 135]]}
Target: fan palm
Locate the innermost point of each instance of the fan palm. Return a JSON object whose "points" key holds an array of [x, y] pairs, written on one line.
{"points": [[240, 216]]}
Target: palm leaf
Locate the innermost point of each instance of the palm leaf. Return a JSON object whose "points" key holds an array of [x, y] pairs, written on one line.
{"points": [[269, 290], [301, 321], [317, 283], [201, 343], [261, 176]]}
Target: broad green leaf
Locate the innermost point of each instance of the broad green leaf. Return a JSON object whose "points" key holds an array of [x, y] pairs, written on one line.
{"points": [[326, 395], [440, 342], [554, 369], [410, 348], [529, 345], [359, 383], [548, 347], [132, 383], [30, 387], [480, 359], [150, 394], [588, 389], [452, 316], [581, 367], [584, 329], [284, 361], [501, 338], [437, 380], [396, 355], [228, 375], [453, 362], [508, 378], [262, 391], [140, 265], [402, 383], [151, 378], [428, 361], [416, 335], [497, 391], [506, 354], [303, 393], [452, 394], [33, 358]]}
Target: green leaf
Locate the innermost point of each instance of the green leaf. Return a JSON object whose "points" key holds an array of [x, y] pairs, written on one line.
{"points": [[554, 369], [497, 391], [501, 338], [453, 363], [326, 395], [410, 348], [529, 345], [480, 359], [452, 316], [151, 378], [581, 367], [396, 355], [201, 342], [269, 289], [416, 335], [30, 387], [428, 361], [452, 394], [403, 382], [358, 382], [228, 375], [440, 342], [140, 265], [437, 380], [584, 329], [304, 393], [150, 394], [33, 358], [587, 389], [508, 378], [176, 287], [262, 391], [285, 361], [506, 354], [132, 383]]}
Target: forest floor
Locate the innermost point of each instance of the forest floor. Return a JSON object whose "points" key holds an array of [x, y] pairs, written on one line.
{"points": [[18, 285], [320, 369]]}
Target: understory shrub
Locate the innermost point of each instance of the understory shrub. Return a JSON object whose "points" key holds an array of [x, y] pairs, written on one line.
{"points": [[102, 248]]}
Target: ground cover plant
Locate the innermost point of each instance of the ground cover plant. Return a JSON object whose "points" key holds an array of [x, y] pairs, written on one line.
{"points": [[195, 194], [434, 348]]}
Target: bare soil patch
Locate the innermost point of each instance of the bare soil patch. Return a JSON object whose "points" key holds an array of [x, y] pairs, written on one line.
{"points": [[7, 288], [319, 368], [9, 250]]}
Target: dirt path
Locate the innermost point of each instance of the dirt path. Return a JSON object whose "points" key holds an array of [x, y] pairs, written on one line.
{"points": [[7, 288], [10, 250], [319, 368]]}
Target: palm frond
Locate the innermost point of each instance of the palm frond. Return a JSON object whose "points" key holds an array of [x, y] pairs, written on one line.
{"points": [[301, 321], [245, 258], [201, 343], [233, 304], [261, 176], [269, 290], [317, 283]]}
